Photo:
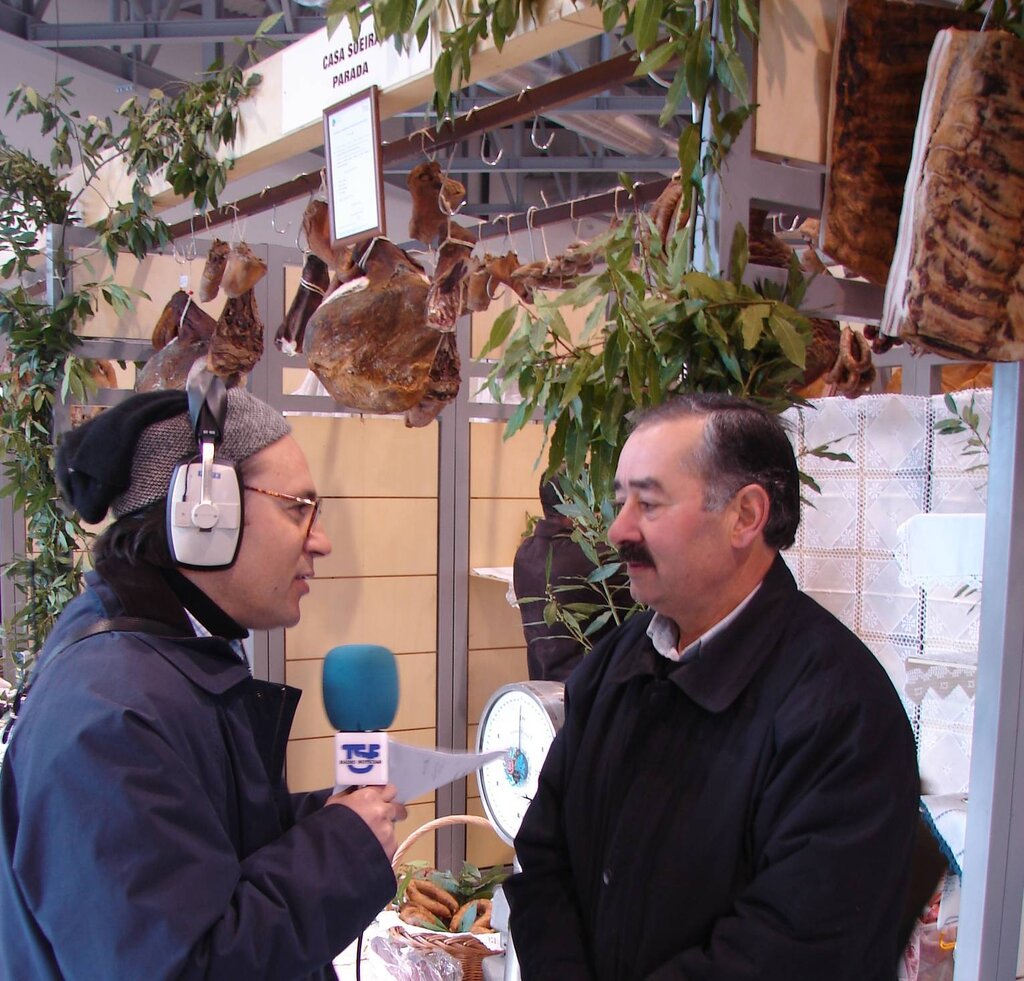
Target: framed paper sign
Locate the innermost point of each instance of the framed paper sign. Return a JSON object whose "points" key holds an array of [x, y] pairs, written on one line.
{"points": [[355, 181]]}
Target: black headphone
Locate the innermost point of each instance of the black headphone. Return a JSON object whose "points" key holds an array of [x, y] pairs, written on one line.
{"points": [[204, 501]]}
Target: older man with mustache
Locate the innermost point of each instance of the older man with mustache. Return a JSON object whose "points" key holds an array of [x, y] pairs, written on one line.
{"points": [[734, 794]]}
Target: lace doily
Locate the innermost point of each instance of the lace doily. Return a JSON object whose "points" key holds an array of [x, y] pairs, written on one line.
{"points": [[941, 550]]}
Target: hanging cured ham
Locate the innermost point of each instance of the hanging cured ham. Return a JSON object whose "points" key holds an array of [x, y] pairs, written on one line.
{"points": [[435, 197], [369, 342], [237, 341], [957, 280], [213, 270], [191, 327], [313, 283]]}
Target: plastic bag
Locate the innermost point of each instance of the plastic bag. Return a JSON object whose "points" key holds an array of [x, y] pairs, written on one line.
{"points": [[929, 955], [405, 963]]}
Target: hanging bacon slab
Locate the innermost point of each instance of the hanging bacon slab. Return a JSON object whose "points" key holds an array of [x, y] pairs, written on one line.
{"points": [[878, 70], [957, 280], [369, 341]]}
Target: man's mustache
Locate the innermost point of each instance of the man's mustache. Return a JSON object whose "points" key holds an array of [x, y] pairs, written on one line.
{"points": [[635, 554]]}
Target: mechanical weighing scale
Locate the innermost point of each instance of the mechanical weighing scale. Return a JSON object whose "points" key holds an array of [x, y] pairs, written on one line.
{"points": [[521, 719]]}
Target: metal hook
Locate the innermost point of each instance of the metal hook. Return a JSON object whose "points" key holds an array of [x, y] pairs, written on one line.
{"points": [[273, 223], [443, 205], [423, 133], [543, 237], [533, 136], [577, 222], [497, 142], [192, 249], [235, 227], [529, 227], [184, 309]]}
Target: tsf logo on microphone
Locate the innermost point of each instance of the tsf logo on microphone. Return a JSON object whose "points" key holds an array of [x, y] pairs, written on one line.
{"points": [[361, 758]]}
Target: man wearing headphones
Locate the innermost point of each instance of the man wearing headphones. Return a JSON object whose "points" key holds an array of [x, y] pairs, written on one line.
{"points": [[145, 828]]}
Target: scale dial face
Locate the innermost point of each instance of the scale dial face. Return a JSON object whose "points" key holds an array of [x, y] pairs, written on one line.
{"points": [[521, 719]]}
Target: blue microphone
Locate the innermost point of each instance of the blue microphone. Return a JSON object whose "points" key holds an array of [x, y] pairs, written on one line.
{"points": [[360, 689]]}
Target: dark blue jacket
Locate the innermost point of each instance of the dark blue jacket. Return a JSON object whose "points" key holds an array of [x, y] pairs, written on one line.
{"points": [[145, 829], [747, 814]]}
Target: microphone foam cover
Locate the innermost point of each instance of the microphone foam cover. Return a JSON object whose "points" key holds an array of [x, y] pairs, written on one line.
{"points": [[360, 684]]}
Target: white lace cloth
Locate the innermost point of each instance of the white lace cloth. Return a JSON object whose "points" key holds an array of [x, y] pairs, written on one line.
{"points": [[847, 555]]}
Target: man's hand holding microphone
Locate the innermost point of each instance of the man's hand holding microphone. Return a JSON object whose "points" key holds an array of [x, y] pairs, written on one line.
{"points": [[360, 690]]}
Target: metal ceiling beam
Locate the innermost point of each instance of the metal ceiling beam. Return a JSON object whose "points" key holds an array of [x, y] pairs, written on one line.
{"points": [[164, 32], [121, 66]]}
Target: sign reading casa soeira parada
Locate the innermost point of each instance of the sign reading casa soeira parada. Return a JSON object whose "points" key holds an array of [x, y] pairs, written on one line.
{"points": [[319, 71]]}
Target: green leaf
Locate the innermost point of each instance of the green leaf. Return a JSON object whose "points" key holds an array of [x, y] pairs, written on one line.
{"points": [[747, 11], [268, 24], [500, 330], [443, 76], [519, 418], [793, 345], [697, 62], [752, 320], [610, 15], [808, 481], [656, 59], [469, 917], [739, 254], [732, 74], [646, 19], [604, 572], [689, 150], [673, 97]]}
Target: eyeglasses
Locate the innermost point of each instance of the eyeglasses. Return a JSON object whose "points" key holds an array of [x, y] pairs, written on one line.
{"points": [[315, 503]]}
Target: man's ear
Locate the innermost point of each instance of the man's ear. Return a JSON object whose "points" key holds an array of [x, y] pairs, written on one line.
{"points": [[752, 508]]}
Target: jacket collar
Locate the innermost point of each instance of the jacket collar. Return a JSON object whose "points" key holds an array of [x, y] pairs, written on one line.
{"points": [[210, 663], [726, 663]]}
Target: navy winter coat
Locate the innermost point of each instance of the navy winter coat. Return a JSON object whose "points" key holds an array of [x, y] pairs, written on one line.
{"points": [[145, 829], [748, 814]]}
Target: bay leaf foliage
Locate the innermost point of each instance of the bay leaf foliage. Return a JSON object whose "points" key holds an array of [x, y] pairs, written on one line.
{"points": [[654, 327], [179, 135]]}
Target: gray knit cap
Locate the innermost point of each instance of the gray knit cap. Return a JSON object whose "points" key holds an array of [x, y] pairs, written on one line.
{"points": [[250, 426]]}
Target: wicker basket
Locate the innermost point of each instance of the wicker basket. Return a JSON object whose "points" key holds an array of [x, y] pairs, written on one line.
{"points": [[468, 951]]}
